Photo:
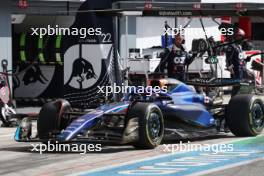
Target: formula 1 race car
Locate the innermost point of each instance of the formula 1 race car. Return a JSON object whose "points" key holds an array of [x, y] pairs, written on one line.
{"points": [[144, 121]]}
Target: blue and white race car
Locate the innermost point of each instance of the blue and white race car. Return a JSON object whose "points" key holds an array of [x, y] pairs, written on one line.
{"points": [[144, 121]]}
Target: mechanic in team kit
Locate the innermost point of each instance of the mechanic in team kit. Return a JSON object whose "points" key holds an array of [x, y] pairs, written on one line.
{"points": [[176, 60], [235, 59]]}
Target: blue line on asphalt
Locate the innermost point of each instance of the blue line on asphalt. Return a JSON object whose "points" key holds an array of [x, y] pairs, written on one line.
{"points": [[173, 165]]}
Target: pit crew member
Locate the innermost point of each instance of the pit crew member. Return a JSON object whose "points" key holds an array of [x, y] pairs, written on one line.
{"points": [[176, 60]]}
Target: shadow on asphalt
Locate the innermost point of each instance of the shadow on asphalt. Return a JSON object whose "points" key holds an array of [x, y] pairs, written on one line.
{"points": [[196, 139], [106, 147], [29, 148]]}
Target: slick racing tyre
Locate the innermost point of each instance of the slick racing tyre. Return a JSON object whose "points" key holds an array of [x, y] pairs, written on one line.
{"points": [[245, 115], [50, 120], [150, 124]]}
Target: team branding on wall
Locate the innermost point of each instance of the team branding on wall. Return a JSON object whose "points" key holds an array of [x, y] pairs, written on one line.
{"points": [[88, 62], [84, 71], [35, 79], [34, 75], [79, 63]]}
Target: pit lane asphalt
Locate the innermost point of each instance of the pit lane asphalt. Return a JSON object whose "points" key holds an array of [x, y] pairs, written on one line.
{"points": [[18, 159]]}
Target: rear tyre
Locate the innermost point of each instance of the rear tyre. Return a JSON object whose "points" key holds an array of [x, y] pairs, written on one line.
{"points": [[50, 119], [150, 125], [245, 115]]}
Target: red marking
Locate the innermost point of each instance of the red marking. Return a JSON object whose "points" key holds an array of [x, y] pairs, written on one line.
{"points": [[258, 77], [3, 92], [197, 6], [226, 19], [245, 24], [238, 6], [23, 4], [258, 60], [252, 52], [148, 5]]}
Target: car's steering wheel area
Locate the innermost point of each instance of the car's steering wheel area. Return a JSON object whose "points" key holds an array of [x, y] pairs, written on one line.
{"points": [[143, 97], [135, 97]]}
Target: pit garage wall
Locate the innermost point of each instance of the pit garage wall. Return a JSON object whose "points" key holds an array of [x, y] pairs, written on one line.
{"points": [[142, 33], [44, 78], [145, 32], [86, 63], [6, 34]]}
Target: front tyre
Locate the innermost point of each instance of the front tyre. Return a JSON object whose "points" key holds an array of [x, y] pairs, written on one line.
{"points": [[150, 124], [51, 118], [245, 115]]}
